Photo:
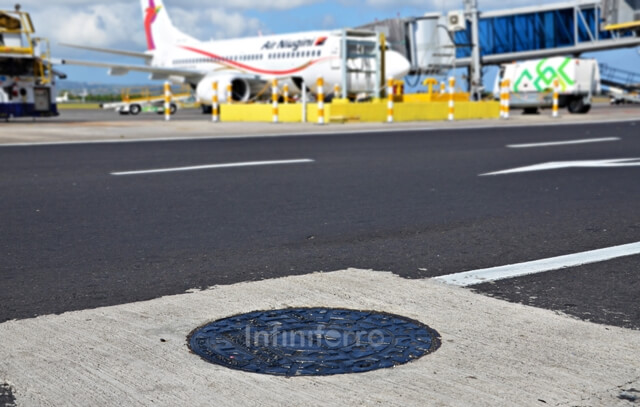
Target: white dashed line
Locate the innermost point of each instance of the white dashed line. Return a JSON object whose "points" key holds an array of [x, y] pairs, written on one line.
{"points": [[214, 166], [539, 266], [564, 143]]}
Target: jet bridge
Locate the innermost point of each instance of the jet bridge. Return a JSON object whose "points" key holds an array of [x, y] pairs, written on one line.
{"points": [[478, 38]]}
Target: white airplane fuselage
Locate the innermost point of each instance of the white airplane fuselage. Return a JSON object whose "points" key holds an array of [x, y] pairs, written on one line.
{"points": [[307, 56], [249, 64]]}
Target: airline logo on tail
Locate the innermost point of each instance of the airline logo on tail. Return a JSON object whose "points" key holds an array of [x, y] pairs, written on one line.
{"points": [[151, 13]]}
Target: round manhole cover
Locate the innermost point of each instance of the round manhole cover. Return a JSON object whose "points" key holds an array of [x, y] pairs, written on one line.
{"points": [[313, 341]]}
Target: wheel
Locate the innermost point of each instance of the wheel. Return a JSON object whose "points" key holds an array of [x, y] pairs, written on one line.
{"points": [[577, 106], [135, 109], [206, 109], [531, 110], [173, 109]]}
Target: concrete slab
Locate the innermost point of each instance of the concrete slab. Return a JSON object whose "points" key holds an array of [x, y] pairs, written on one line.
{"points": [[97, 126], [493, 353]]}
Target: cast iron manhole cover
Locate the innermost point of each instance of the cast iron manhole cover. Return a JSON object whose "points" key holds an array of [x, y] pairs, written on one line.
{"points": [[313, 341]]}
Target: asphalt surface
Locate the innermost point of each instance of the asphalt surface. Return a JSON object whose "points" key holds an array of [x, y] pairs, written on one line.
{"points": [[75, 237]]}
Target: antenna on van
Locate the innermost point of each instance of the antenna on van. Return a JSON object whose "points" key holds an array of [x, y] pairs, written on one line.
{"points": [[18, 7]]}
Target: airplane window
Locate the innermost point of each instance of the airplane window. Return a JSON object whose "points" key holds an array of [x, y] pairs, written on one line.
{"points": [[319, 53]]}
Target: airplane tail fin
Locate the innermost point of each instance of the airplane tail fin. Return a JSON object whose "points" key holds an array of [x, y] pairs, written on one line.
{"points": [[158, 28]]}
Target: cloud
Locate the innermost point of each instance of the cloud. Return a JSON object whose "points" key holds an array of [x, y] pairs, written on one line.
{"points": [[96, 25], [194, 5], [216, 23]]}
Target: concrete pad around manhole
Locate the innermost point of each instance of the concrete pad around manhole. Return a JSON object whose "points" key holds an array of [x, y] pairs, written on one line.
{"points": [[493, 353]]}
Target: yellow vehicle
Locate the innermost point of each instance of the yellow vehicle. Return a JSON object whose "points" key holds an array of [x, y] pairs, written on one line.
{"points": [[145, 100], [26, 75]]}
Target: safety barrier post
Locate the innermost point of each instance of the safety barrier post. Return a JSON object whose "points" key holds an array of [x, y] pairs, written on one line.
{"points": [[320, 100], [452, 89], [336, 91], [390, 96], [229, 93], [443, 88], [167, 101], [556, 91], [504, 99], [215, 113], [285, 91], [274, 99], [507, 96]]}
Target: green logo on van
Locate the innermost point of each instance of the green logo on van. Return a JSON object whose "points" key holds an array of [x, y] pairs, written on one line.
{"points": [[545, 75]]}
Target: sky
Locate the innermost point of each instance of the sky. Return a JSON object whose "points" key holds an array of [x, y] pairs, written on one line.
{"points": [[118, 24]]}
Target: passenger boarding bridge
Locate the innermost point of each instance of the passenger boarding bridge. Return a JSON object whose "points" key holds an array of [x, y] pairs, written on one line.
{"points": [[436, 43]]}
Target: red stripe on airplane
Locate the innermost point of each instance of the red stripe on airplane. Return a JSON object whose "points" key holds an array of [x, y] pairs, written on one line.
{"points": [[248, 68]]}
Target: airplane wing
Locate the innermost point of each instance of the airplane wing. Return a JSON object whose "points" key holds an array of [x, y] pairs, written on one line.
{"points": [[121, 69], [144, 55]]}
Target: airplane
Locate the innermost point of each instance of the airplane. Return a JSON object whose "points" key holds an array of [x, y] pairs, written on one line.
{"points": [[247, 64], [63, 99]]}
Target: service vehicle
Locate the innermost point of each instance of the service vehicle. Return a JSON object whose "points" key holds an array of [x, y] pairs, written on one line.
{"points": [[531, 83], [27, 87], [146, 100]]}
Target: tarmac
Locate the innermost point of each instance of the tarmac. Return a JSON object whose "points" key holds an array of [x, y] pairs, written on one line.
{"points": [[493, 353], [81, 126]]}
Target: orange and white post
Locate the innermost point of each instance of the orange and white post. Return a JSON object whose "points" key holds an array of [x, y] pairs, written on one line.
{"points": [[215, 105], [167, 101], [556, 96], [443, 88], [390, 95], [229, 93], [320, 100], [452, 90], [274, 100], [504, 99], [285, 94], [336, 91]]}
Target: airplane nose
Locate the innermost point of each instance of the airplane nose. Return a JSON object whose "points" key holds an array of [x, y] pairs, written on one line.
{"points": [[397, 66]]}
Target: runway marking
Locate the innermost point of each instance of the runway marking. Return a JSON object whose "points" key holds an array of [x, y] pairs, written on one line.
{"points": [[565, 143], [474, 277], [612, 163], [214, 166]]}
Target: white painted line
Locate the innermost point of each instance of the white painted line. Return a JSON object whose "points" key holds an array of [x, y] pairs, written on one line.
{"points": [[612, 163], [468, 278], [564, 143], [214, 166]]}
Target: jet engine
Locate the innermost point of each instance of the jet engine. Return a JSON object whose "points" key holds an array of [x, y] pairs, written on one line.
{"points": [[243, 88]]}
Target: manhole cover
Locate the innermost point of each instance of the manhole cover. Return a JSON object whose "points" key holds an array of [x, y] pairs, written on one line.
{"points": [[313, 341]]}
